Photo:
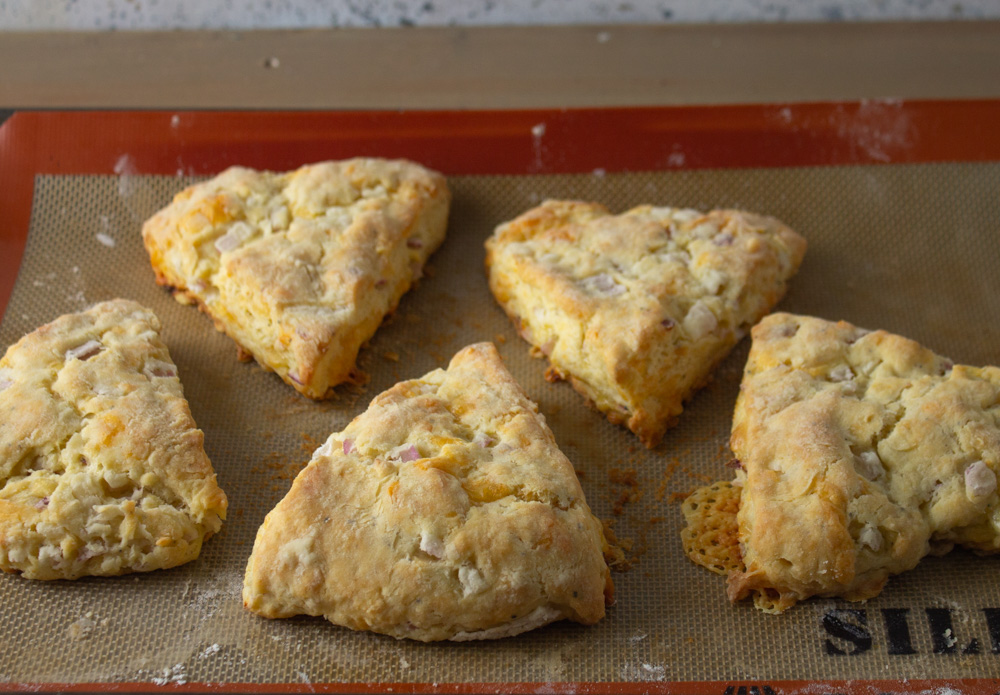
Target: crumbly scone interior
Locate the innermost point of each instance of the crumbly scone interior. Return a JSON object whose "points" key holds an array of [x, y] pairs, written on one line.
{"points": [[655, 294], [299, 268], [101, 465], [861, 453], [445, 511]]}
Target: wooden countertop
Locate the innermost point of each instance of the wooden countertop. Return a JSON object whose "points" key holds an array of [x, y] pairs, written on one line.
{"points": [[508, 67]]}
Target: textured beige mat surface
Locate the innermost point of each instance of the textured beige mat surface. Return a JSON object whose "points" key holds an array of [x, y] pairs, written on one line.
{"points": [[912, 249]]}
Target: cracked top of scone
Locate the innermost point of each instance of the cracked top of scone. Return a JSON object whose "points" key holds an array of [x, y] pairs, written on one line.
{"points": [[636, 309], [300, 268], [445, 511], [102, 469], [861, 452]]}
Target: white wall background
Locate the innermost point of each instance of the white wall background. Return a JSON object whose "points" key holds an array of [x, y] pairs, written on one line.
{"points": [[90, 15]]}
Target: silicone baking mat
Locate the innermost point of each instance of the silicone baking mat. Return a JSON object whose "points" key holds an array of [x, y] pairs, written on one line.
{"points": [[912, 248]]}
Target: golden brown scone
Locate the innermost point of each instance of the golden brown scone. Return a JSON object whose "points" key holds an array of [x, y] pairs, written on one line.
{"points": [[300, 268], [445, 511], [861, 452], [102, 469], [636, 309]]}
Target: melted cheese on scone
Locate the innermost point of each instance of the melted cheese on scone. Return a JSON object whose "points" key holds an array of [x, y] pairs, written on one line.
{"points": [[102, 469], [861, 452], [636, 309], [445, 511], [300, 268]]}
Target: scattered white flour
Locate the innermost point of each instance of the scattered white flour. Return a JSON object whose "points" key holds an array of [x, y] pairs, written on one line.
{"points": [[878, 127], [657, 672], [208, 600], [105, 237], [537, 132], [676, 159], [304, 677], [126, 170], [644, 672], [175, 676], [129, 186], [78, 299], [210, 650], [124, 166]]}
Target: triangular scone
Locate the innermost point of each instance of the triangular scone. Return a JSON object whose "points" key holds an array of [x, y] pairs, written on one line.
{"points": [[860, 452], [445, 511], [636, 309], [300, 268], [102, 469]]}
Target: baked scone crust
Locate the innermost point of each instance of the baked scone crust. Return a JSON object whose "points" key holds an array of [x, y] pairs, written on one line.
{"points": [[300, 268], [445, 511], [636, 309], [102, 469], [861, 452]]}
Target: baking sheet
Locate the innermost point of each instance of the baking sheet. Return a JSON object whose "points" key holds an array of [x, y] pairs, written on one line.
{"points": [[909, 248]]}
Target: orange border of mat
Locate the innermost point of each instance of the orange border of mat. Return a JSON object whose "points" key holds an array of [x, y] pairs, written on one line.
{"points": [[965, 686], [491, 142], [483, 142]]}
